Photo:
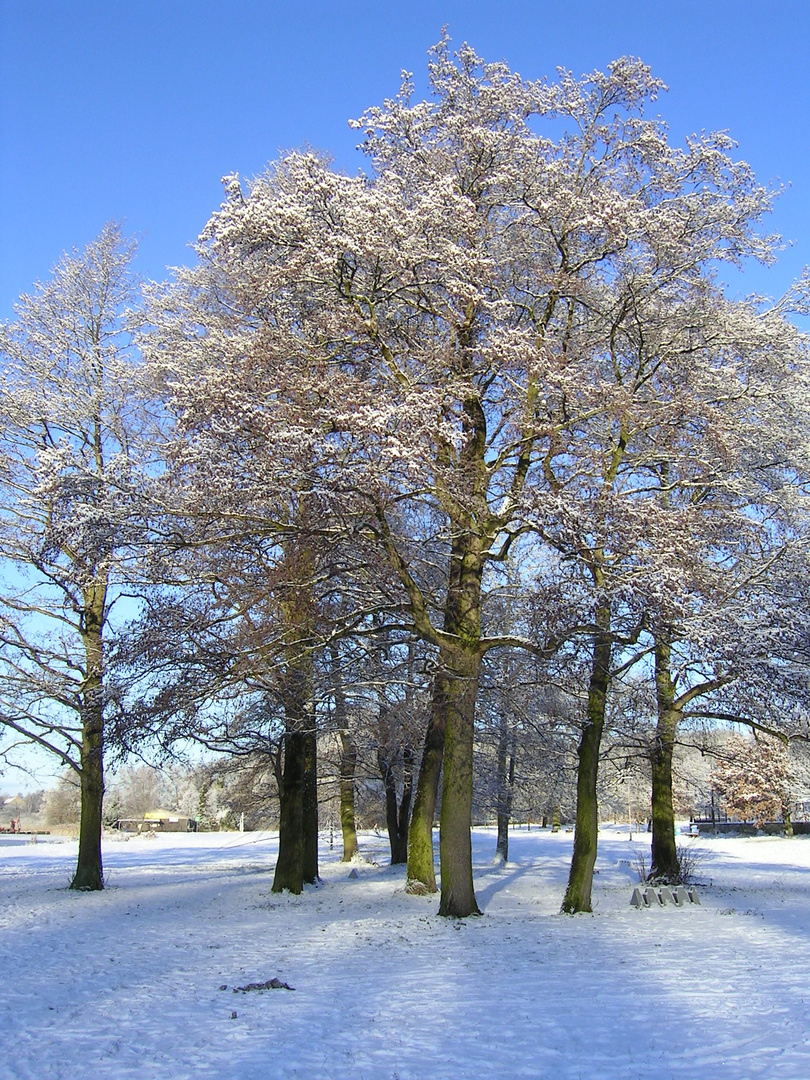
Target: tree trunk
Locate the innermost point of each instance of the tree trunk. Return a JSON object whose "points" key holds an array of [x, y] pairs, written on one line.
{"points": [[455, 686], [664, 864], [506, 780], [390, 787], [580, 879], [455, 841], [310, 804], [421, 872], [298, 792], [404, 806], [348, 767], [396, 811], [348, 758], [89, 871], [290, 863]]}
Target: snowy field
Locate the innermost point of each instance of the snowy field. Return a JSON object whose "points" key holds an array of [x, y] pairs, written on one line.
{"points": [[131, 982]]}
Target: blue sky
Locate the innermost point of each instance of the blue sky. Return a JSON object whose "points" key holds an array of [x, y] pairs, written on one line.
{"points": [[134, 109]]}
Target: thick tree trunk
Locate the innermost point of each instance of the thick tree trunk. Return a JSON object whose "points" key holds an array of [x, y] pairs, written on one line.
{"points": [[664, 864], [298, 793], [290, 863], [580, 879], [451, 724], [89, 871], [348, 768], [455, 686], [455, 841]]}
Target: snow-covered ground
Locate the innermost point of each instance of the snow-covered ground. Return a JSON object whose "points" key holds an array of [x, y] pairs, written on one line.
{"points": [[138, 981]]}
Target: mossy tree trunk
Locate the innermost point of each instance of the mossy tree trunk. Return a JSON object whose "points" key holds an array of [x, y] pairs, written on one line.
{"points": [[455, 840], [664, 864], [89, 870], [421, 868], [348, 758], [348, 768], [463, 476], [449, 740], [404, 815], [455, 686], [449, 747], [463, 667], [580, 879]]}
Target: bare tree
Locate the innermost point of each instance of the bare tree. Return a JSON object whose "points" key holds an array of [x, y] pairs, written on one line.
{"points": [[69, 428]]}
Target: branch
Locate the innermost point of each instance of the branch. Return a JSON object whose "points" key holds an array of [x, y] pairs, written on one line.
{"points": [[735, 718], [31, 736], [699, 690]]}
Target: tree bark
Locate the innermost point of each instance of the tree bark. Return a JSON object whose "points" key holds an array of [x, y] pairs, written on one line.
{"points": [[309, 808], [455, 687], [298, 792], [405, 805], [290, 863], [580, 879], [397, 811], [421, 872], [295, 783], [89, 870], [348, 768], [391, 803], [348, 759], [455, 841], [664, 863], [506, 780]]}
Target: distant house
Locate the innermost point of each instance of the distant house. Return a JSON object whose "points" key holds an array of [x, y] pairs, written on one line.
{"points": [[158, 821]]}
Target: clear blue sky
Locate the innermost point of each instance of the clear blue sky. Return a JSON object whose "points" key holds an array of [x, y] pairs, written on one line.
{"points": [[134, 109]]}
